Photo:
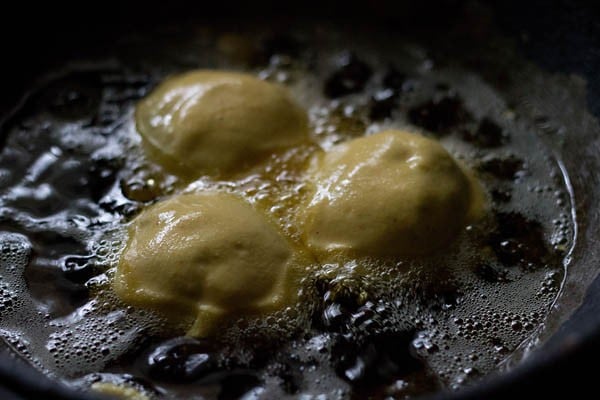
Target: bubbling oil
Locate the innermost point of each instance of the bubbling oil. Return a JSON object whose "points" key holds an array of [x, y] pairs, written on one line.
{"points": [[73, 174]]}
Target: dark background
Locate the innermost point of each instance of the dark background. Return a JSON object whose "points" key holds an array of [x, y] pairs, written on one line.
{"points": [[560, 36]]}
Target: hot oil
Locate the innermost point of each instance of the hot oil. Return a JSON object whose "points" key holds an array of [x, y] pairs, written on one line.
{"points": [[73, 174]]}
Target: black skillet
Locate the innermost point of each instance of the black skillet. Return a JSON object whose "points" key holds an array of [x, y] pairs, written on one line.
{"points": [[561, 37]]}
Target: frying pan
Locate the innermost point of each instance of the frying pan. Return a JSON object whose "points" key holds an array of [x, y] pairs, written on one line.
{"points": [[560, 37]]}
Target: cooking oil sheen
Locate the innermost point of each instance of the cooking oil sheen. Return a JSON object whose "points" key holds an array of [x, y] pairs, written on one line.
{"points": [[73, 175]]}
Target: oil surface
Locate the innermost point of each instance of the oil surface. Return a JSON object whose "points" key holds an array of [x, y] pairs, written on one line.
{"points": [[72, 174]]}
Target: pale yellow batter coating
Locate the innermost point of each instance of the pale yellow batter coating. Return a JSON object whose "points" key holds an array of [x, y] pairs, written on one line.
{"points": [[206, 256], [211, 256], [211, 122], [118, 391], [393, 193]]}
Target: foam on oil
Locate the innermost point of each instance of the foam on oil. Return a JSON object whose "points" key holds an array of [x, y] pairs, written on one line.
{"points": [[73, 174]]}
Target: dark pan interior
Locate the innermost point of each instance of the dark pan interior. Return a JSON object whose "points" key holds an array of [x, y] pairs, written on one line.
{"points": [[561, 37]]}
